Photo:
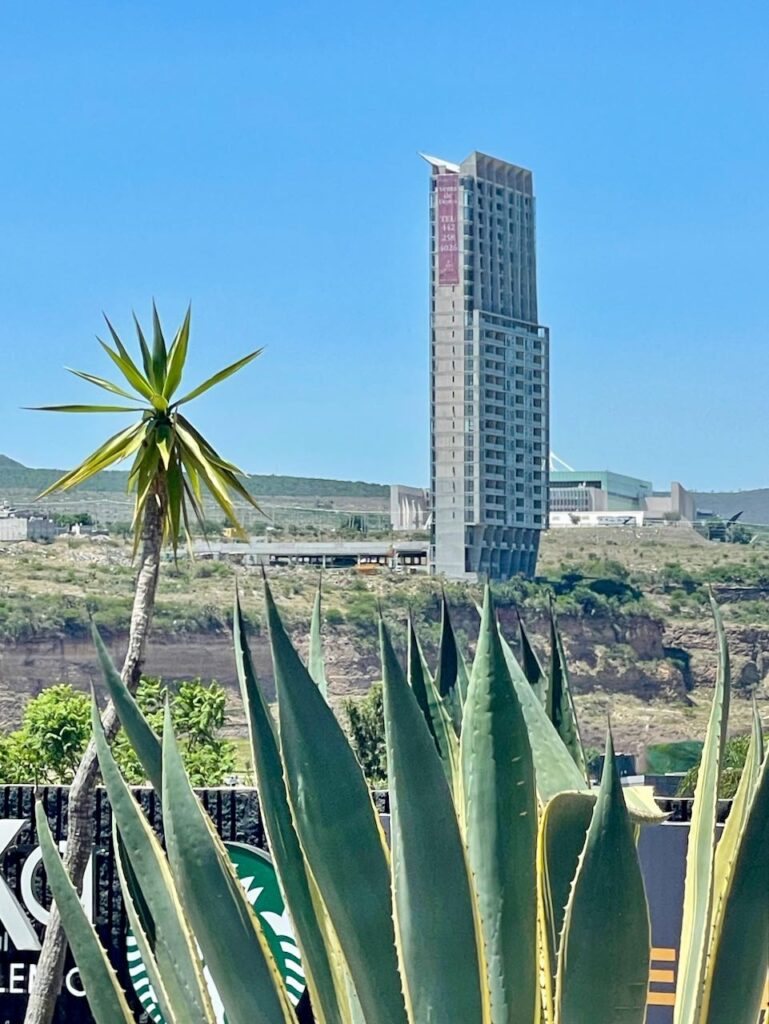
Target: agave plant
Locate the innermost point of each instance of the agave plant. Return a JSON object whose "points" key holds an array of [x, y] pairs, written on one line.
{"points": [[502, 867]]}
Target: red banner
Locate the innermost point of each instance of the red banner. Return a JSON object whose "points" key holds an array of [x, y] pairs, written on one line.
{"points": [[448, 228]]}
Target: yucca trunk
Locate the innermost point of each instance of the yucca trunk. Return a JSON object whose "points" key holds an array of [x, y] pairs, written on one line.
{"points": [[80, 806]]}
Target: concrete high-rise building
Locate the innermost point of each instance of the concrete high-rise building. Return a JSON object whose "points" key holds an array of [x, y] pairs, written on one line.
{"points": [[489, 376]]}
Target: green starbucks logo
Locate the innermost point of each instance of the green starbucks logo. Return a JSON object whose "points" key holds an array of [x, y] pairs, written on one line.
{"points": [[260, 883]]}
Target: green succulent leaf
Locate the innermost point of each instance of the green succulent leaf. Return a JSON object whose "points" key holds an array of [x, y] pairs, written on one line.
{"points": [[433, 903], [562, 832], [105, 996], [248, 984], [606, 981], [554, 767], [739, 957], [530, 663], [142, 927], [559, 700], [316, 664], [417, 675], [172, 943], [330, 802], [141, 735], [451, 678], [700, 857], [284, 843], [500, 812]]}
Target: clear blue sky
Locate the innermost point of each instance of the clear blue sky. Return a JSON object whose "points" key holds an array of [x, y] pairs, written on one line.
{"points": [[260, 159]]}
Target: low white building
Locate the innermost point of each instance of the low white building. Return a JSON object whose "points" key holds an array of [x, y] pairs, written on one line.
{"points": [[17, 528]]}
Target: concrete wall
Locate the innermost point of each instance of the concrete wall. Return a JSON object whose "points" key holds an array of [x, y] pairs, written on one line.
{"points": [[16, 529]]}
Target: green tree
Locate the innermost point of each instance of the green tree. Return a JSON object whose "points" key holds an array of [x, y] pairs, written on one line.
{"points": [[172, 465], [56, 728], [365, 724], [735, 753]]}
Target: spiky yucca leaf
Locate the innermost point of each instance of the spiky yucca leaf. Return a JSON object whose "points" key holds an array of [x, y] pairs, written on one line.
{"points": [[603, 957], [105, 996], [283, 840], [248, 984], [331, 806], [500, 814], [698, 888], [171, 459], [441, 963]]}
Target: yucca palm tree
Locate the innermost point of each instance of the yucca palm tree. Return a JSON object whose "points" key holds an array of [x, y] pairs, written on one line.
{"points": [[172, 466]]}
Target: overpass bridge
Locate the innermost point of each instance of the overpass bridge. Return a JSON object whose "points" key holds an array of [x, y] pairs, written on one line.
{"points": [[398, 555]]}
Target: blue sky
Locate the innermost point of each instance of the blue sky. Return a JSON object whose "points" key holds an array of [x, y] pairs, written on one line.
{"points": [[261, 161]]}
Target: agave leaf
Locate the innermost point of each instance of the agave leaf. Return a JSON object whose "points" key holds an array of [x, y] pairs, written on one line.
{"points": [[735, 823], [698, 889], [560, 703], [437, 714], [173, 944], [739, 960], [248, 984], [555, 769], [105, 997], [441, 963], [561, 839], [283, 840], [606, 981], [530, 663], [316, 664], [330, 802], [451, 678], [417, 673], [217, 377], [142, 927], [500, 811], [141, 735]]}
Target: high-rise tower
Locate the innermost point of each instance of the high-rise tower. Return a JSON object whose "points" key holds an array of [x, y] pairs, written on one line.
{"points": [[489, 418]]}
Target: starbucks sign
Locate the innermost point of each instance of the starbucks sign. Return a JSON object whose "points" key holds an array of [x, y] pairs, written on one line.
{"points": [[260, 883]]}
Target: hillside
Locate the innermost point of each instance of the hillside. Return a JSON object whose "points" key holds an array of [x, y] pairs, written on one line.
{"points": [[15, 477], [632, 606], [754, 505]]}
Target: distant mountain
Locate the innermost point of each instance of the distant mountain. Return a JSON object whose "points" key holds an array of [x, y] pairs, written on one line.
{"points": [[16, 477], [754, 505]]}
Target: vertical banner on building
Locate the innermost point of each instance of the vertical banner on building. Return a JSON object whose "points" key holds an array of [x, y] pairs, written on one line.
{"points": [[447, 188]]}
